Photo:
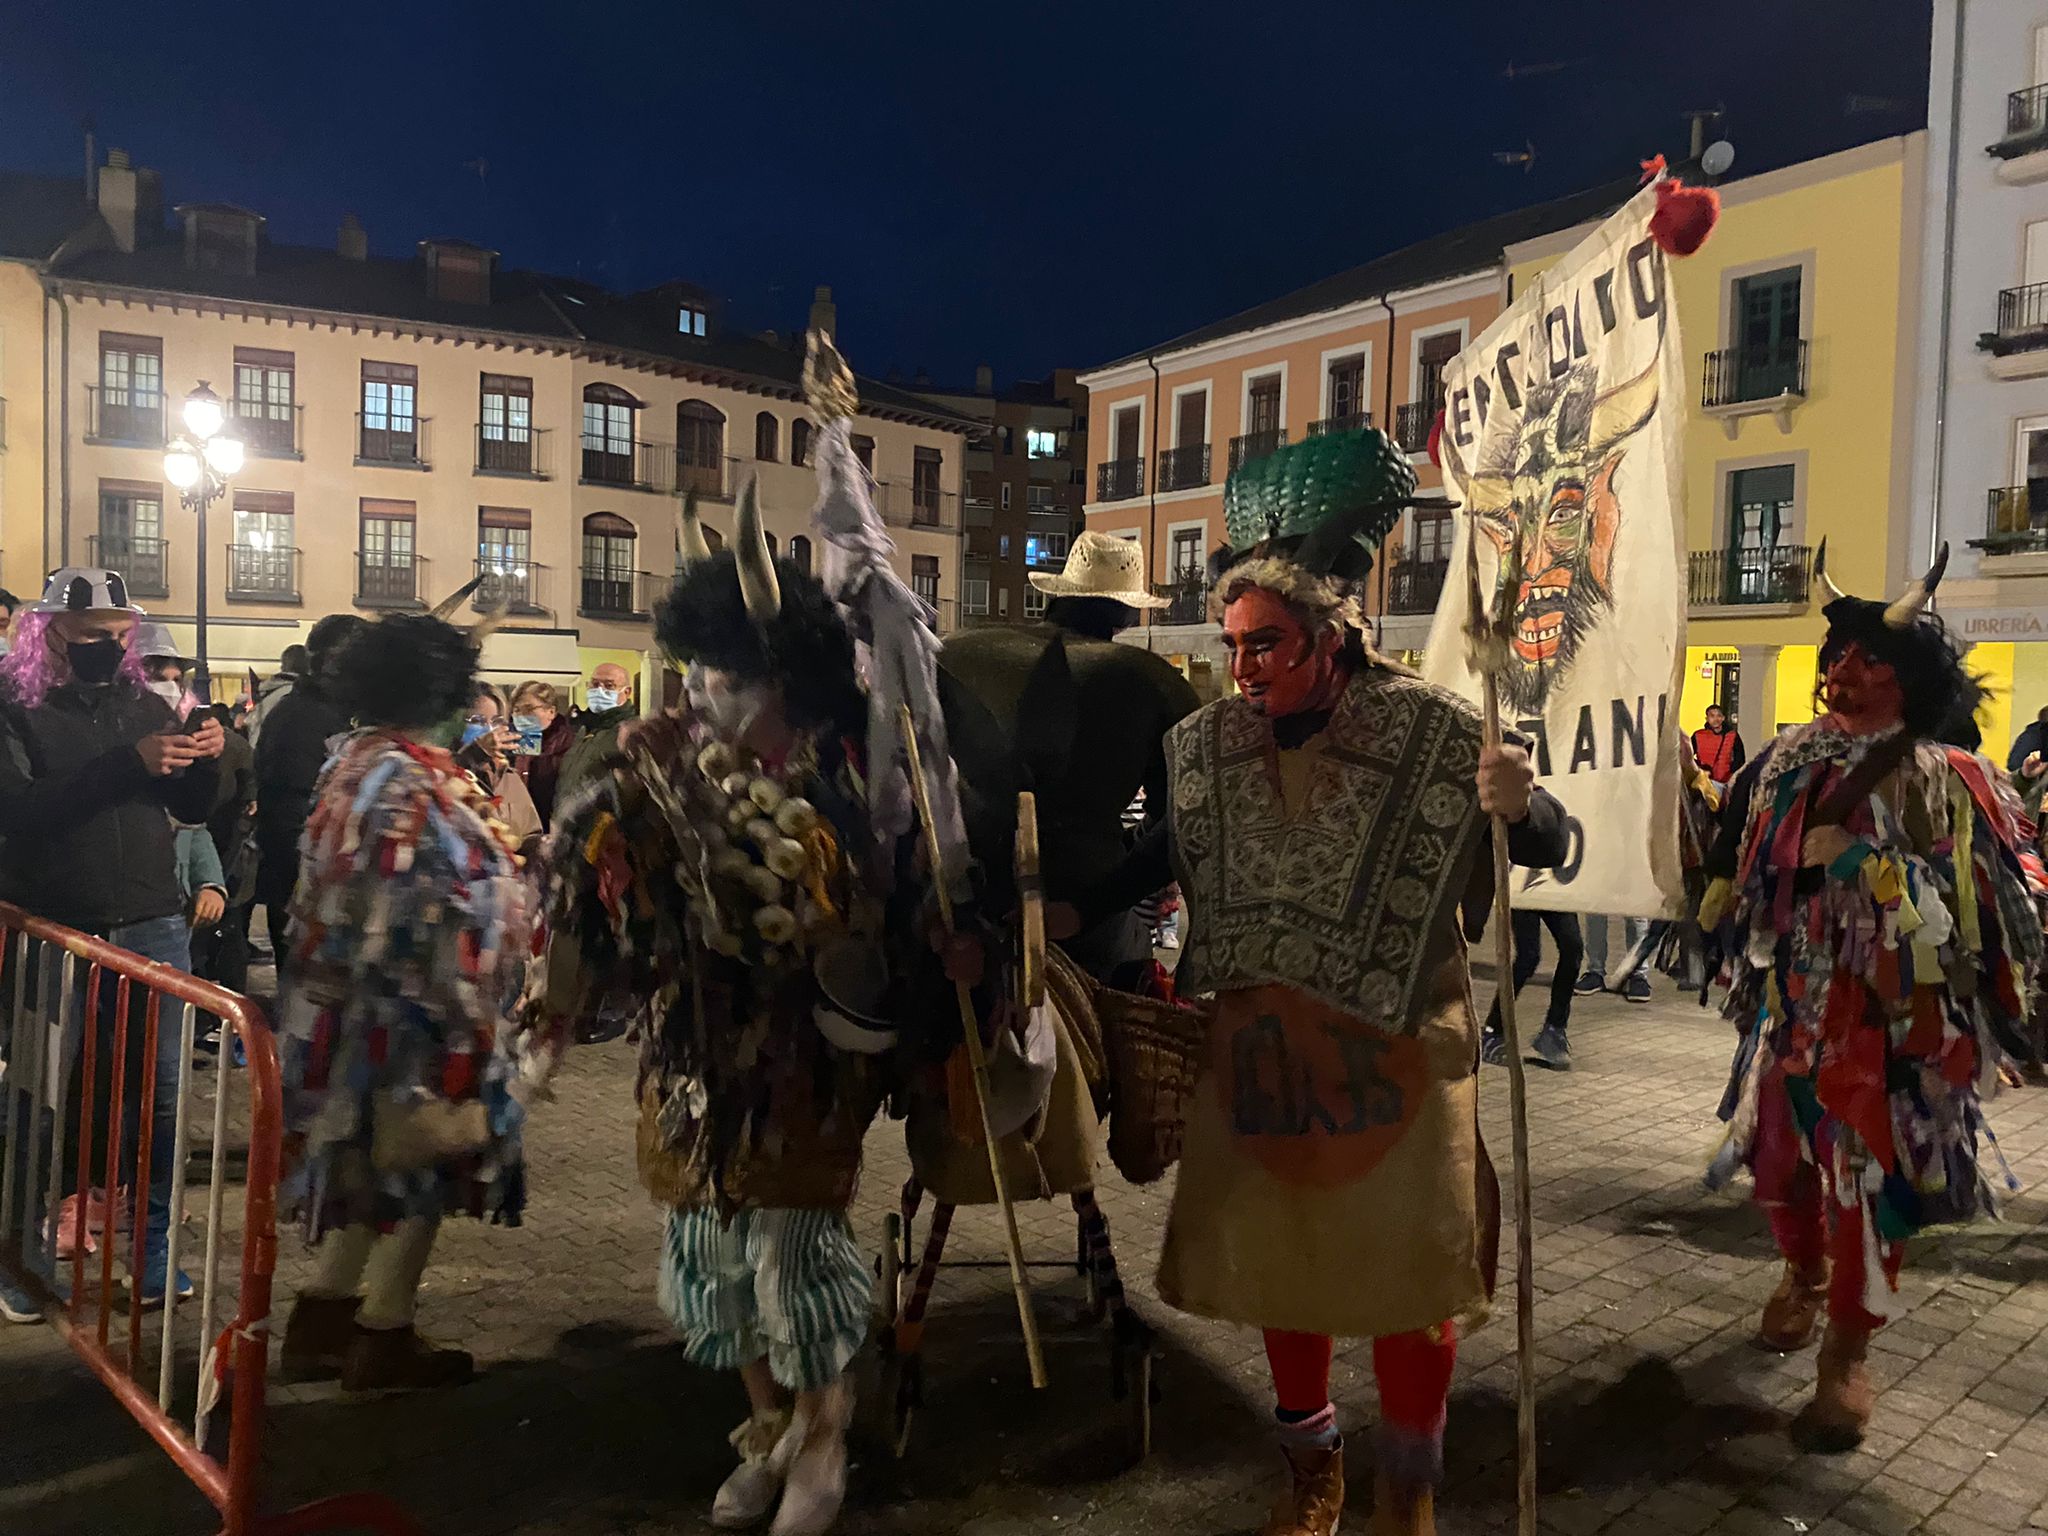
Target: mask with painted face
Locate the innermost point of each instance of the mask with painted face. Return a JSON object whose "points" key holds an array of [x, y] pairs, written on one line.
{"points": [[1280, 666], [729, 706], [1863, 694]]}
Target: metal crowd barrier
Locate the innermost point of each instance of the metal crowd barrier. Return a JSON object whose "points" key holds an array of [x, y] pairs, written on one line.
{"points": [[56, 1051]]}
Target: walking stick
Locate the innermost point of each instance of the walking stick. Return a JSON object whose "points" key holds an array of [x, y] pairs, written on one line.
{"points": [[977, 1061], [1487, 649]]}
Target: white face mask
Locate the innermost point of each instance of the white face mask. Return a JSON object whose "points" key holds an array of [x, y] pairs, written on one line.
{"points": [[598, 700], [169, 691]]}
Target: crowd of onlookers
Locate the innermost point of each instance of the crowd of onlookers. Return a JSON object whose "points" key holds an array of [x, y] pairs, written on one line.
{"points": [[133, 809]]}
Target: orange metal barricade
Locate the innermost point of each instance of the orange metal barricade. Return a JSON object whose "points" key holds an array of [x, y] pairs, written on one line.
{"points": [[52, 1008]]}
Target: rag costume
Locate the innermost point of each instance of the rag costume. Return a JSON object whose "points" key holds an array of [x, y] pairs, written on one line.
{"points": [[410, 931], [1326, 830], [1885, 903]]}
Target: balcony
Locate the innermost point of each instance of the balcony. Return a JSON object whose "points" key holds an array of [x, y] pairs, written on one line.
{"points": [[712, 477], [1356, 421], [981, 512], [1187, 600], [144, 564], [260, 573], [269, 431], [2018, 348], [1755, 381], [388, 579], [2015, 524], [2022, 154], [125, 420], [916, 506], [519, 587], [1775, 576], [648, 466], [1183, 469], [604, 593], [1119, 479], [1416, 586], [1412, 423], [517, 453], [1253, 446], [392, 442]]}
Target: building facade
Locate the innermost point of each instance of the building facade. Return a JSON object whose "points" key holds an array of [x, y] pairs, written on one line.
{"points": [[1023, 494], [1980, 433], [411, 425]]}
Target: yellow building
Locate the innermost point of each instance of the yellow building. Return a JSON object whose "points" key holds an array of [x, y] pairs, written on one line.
{"points": [[409, 424], [1798, 320]]}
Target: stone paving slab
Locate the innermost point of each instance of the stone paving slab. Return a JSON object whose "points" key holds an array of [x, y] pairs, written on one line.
{"points": [[1658, 1417]]}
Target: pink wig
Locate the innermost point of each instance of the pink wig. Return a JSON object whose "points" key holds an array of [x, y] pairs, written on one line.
{"points": [[31, 669]]}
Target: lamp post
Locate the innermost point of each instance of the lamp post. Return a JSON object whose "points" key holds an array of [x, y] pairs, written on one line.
{"points": [[198, 462]]}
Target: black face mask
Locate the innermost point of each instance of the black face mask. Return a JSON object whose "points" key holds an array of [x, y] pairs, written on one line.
{"points": [[94, 662]]}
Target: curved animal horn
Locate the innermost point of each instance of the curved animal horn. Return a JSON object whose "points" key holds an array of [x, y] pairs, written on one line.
{"points": [[758, 586], [1906, 611], [1623, 409], [1821, 576], [691, 545], [445, 608]]}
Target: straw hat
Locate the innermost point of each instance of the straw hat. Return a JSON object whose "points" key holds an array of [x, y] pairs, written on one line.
{"points": [[1101, 565]]}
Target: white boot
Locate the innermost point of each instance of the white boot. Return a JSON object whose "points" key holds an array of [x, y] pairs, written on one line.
{"points": [[816, 1472], [746, 1497]]}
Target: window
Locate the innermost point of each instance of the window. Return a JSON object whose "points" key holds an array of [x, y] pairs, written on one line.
{"points": [[1006, 495], [131, 536], [1345, 397], [689, 321], [504, 556], [263, 401], [1185, 555], [390, 428], [1003, 547], [1262, 406], [1034, 603], [386, 569], [131, 389], [767, 432], [1002, 602], [1045, 549], [504, 433], [1042, 442], [1191, 419], [973, 594], [1432, 356], [1038, 498], [800, 553], [263, 560], [608, 422], [1760, 521], [800, 441], [610, 549], [1432, 541], [700, 448], [1766, 317], [1123, 431], [864, 450], [924, 578], [924, 486]]}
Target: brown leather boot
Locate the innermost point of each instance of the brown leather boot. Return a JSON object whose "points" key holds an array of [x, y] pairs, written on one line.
{"points": [[400, 1360], [1402, 1511], [1793, 1310], [1315, 1499], [317, 1337], [1845, 1398]]}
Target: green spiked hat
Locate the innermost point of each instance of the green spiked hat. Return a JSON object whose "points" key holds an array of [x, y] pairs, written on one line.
{"points": [[1347, 487]]}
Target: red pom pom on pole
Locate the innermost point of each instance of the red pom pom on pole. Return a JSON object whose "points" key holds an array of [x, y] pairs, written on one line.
{"points": [[1685, 215], [1436, 437]]}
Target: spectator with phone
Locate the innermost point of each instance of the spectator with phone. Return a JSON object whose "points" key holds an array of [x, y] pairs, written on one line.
{"points": [[485, 752]]}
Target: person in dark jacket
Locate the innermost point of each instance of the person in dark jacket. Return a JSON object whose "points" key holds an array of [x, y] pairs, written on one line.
{"points": [[93, 769], [290, 753], [2031, 742]]}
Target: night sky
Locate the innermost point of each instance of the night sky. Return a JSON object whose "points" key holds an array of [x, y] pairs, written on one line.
{"points": [[1023, 185]]}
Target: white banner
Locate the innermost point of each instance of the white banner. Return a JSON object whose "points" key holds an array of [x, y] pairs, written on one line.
{"points": [[1561, 437]]}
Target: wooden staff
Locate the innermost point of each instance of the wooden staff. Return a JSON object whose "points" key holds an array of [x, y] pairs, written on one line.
{"points": [[1487, 649], [977, 1061]]}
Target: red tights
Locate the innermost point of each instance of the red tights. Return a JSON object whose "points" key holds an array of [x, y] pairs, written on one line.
{"points": [[1813, 1230], [1413, 1369]]}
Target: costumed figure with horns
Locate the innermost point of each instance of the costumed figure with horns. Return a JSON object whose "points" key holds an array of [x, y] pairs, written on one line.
{"points": [[1326, 827], [1885, 903], [409, 941], [739, 877]]}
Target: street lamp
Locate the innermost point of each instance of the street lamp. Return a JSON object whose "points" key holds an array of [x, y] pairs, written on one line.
{"points": [[199, 462]]}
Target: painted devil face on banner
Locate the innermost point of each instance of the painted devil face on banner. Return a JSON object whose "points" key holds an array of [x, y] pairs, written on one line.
{"points": [[1278, 664], [1545, 498]]}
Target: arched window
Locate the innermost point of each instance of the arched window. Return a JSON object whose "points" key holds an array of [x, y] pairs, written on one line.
{"points": [[800, 441], [700, 448], [610, 564], [767, 432], [800, 553], [608, 435]]}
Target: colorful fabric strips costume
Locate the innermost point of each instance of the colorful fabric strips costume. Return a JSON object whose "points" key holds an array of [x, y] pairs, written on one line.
{"points": [[1885, 899]]}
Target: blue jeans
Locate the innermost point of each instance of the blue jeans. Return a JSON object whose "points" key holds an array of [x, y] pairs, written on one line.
{"points": [[1633, 930]]}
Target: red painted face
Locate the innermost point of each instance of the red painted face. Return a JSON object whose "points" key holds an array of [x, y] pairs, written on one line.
{"points": [[1863, 694], [1274, 660]]}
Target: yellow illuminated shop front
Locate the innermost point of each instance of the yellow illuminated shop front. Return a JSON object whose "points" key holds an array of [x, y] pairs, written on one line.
{"points": [[1713, 675]]}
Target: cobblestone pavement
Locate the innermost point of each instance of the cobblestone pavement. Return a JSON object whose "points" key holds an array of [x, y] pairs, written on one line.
{"points": [[1658, 1417]]}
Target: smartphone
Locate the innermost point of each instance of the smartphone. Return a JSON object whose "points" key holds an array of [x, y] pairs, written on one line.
{"points": [[196, 722]]}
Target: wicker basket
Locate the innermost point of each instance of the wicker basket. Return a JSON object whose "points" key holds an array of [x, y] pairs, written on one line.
{"points": [[1155, 1053]]}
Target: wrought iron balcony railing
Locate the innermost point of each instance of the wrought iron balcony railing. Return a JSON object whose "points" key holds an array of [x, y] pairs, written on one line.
{"points": [[397, 441], [1119, 479], [262, 573], [646, 466], [128, 420], [520, 452], [387, 579], [604, 593], [1738, 375], [269, 431], [144, 564], [2016, 519], [2026, 120], [1416, 586], [1412, 423], [1355, 421], [1182, 469], [1249, 447], [715, 478], [518, 585], [1727, 578], [1187, 600]]}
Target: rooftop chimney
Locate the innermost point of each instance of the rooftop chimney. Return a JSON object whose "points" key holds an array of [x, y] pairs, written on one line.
{"points": [[352, 244], [984, 379], [824, 313], [130, 200]]}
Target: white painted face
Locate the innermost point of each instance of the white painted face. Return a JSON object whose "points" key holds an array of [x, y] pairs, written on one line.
{"points": [[731, 704]]}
